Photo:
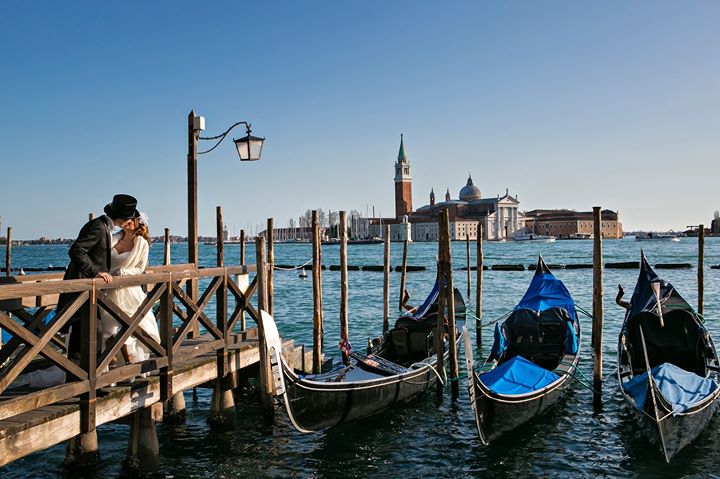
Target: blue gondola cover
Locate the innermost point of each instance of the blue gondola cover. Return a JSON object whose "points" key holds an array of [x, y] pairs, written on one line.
{"points": [[681, 388], [545, 292], [499, 345], [517, 376]]}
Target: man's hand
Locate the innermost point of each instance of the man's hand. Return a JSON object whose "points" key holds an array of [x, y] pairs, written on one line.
{"points": [[106, 277]]}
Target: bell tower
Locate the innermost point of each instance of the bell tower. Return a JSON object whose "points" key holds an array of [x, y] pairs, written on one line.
{"points": [[403, 184]]}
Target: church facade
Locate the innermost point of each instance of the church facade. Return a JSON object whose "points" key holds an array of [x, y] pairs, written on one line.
{"points": [[500, 216]]}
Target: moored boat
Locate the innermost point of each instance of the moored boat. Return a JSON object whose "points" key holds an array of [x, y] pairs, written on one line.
{"points": [[533, 358], [399, 367], [668, 368]]}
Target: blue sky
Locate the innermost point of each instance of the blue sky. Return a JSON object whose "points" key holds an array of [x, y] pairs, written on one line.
{"points": [[567, 104]]}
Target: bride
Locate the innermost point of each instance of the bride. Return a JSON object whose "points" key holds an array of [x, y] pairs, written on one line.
{"points": [[129, 256]]}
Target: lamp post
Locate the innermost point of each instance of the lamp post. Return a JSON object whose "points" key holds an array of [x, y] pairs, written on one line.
{"points": [[249, 148]]}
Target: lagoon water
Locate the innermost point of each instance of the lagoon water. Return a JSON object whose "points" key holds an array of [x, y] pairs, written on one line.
{"points": [[422, 439]]}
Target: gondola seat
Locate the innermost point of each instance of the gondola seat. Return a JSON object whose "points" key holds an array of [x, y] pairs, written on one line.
{"points": [[538, 337], [678, 342]]}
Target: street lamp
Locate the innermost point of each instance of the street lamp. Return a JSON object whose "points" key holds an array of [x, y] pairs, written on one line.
{"points": [[249, 148]]}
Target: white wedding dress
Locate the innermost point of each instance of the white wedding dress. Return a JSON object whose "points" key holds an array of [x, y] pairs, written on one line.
{"points": [[130, 298]]}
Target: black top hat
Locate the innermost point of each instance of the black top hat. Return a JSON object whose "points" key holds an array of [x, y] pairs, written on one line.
{"points": [[122, 206]]}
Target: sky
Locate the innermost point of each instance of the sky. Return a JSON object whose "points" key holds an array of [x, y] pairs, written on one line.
{"points": [[567, 104]]}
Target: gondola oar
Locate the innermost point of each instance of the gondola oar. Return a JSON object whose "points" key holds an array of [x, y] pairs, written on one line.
{"points": [[651, 385]]}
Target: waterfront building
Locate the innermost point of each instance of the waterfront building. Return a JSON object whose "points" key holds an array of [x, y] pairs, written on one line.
{"points": [[565, 223], [500, 216]]}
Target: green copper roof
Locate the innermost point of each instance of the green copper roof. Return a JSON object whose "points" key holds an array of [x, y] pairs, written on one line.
{"points": [[401, 154]]}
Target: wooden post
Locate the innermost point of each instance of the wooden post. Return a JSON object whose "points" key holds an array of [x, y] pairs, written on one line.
{"points": [[403, 270], [242, 262], [478, 287], [450, 292], [443, 237], [166, 256], [701, 269], [264, 375], [597, 329], [83, 449], [8, 252], [271, 263], [91, 216], [386, 281], [192, 285], [317, 296], [467, 254], [175, 411], [143, 454], [344, 333]]}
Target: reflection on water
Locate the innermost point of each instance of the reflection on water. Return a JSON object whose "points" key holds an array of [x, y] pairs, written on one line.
{"points": [[420, 439]]}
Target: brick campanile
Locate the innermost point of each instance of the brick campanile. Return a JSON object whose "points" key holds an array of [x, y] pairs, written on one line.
{"points": [[403, 184]]}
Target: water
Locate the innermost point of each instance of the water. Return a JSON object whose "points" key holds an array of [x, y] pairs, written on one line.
{"points": [[422, 440]]}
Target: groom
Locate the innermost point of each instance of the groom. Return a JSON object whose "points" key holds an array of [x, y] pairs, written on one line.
{"points": [[90, 258]]}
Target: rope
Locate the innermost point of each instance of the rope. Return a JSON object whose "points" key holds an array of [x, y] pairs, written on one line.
{"points": [[503, 317], [585, 382], [431, 369], [294, 268], [583, 311]]}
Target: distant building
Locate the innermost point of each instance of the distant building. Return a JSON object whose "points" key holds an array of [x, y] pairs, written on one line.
{"points": [[715, 224], [572, 224], [499, 216]]}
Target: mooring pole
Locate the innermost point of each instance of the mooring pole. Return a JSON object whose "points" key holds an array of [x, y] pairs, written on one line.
{"points": [[443, 236], [8, 251], [166, 251], [317, 296], [452, 327], [271, 263], [344, 334], [598, 312], [478, 287], [264, 374], [386, 281], [242, 262], [403, 272], [467, 253], [701, 269]]}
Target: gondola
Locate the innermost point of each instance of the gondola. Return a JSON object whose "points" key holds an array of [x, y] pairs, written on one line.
{"points": [[532, 360], [667, 364], [399, 367]]}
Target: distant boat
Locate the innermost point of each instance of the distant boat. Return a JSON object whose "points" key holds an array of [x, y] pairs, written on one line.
{"points": [[533, 237], [303, 273], [669, 236]]}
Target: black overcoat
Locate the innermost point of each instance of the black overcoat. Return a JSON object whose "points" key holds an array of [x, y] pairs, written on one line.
{"points": [[89, 255]]}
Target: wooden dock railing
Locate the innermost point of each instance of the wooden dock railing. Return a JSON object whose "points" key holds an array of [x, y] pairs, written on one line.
{"points": [[26, 302]]}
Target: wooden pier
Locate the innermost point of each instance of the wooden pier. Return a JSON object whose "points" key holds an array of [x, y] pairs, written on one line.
{"points": [[221, 356]]}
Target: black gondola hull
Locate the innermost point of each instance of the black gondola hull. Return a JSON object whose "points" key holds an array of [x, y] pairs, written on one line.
{"points": [[673, 433], [314, 406], [498, 414]]}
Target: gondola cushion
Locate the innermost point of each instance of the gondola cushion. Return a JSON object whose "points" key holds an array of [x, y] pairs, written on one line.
{"points": [[680, 388], [517, 376]]}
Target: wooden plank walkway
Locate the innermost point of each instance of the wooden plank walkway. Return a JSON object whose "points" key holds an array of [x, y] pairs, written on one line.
{"points": [[47, 426]]}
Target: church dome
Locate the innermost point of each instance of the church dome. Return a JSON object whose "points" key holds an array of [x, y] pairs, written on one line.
{"points": [[470, 192]]}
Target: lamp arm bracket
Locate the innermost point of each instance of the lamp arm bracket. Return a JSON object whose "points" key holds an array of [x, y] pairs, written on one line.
{"points": [[222, 136]]}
